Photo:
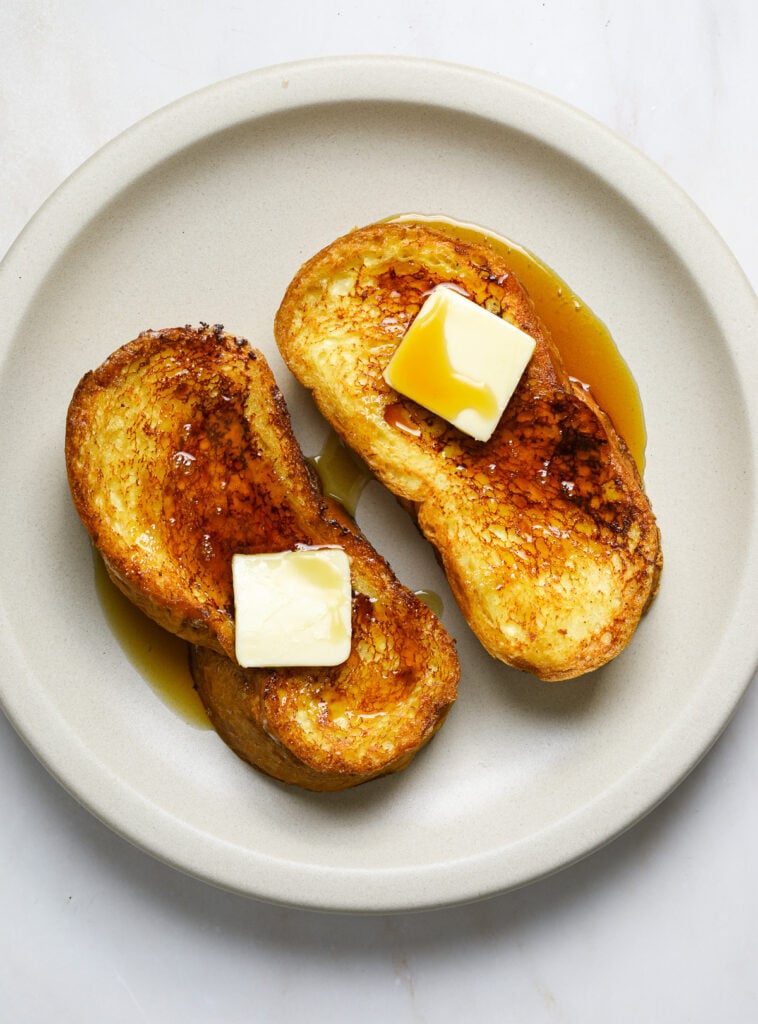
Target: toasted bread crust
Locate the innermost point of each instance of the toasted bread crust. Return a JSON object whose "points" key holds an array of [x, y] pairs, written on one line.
{"points": [[180, 453], [327, 729], [545, 531]]}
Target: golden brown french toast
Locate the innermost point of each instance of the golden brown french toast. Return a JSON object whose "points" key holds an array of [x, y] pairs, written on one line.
{"points": [[180, 454], [546, 534]]}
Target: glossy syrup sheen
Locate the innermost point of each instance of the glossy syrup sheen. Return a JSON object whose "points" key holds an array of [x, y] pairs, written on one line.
{"points": [[342, 474], [445, 391], [343, 477], [160, 658], [206, 494], [431, 600], [587, 348]]}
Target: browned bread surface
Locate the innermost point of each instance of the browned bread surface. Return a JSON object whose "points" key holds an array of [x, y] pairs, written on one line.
{"points": [[180, 453], [545, 531]]}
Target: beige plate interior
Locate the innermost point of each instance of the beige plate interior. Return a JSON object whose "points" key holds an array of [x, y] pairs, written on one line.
{"points": [[203, 212]]}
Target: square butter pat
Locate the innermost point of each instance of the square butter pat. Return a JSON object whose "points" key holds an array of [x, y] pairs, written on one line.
{"points": [[293, 608], [460, 361]]}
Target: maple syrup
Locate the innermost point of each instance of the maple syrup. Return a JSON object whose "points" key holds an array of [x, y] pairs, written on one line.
{"points": [[397, 416], [443, 390], [587, 348], [431, 600], [342, 474], [159, 657]]}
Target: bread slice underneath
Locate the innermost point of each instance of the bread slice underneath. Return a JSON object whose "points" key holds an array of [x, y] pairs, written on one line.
{"points": [[180, 453]]}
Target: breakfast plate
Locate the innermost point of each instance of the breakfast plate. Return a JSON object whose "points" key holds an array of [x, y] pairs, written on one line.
{"points": [[202, 213]]}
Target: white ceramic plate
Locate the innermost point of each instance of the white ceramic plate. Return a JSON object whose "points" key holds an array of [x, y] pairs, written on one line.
{"points": [[203, 212]]}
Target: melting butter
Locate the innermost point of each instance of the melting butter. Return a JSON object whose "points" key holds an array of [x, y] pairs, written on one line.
{"points": [[587, 347], [460, 361], [292, 608]]}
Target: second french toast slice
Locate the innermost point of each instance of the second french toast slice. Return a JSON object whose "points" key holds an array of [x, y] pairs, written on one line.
{"points": [[180, 454], [545, 531]]}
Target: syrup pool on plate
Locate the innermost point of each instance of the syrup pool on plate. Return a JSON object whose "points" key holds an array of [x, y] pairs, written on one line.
{"points": [[160, 657], [343, 477], [342, 474], [588, 351]]}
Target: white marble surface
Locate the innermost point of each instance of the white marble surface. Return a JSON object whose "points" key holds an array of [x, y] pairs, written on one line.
{"points": [[660, 926]]}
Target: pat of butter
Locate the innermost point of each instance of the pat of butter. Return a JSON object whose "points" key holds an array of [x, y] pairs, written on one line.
{"points": [[460, 361], [293, 608]]}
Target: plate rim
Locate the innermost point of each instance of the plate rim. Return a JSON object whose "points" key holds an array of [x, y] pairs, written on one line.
{"points": [[314, 82]]}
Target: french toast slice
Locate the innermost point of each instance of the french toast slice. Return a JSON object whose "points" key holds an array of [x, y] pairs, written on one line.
{"points": [[180, 453], [545, 532]]}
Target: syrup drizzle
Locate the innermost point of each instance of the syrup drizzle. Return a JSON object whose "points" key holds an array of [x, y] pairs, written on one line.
{"points": [[397, 416], [444, 391], [158, 656], [431, 600], [342, 474], [587, 348]]}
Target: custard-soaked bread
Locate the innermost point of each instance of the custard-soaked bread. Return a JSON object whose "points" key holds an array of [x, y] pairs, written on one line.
{"points": [[180, 453], [545, 532]]}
